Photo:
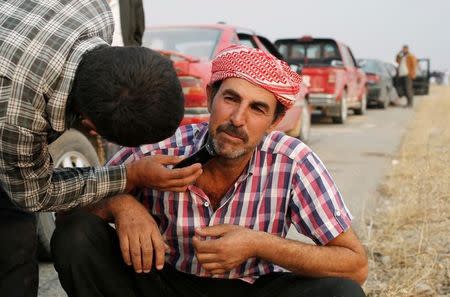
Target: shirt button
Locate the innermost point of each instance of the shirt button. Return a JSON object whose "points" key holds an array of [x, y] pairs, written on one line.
{"points": [[206, 204], [338, 213]]}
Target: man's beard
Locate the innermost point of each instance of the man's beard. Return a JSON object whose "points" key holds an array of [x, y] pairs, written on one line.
{"points": [[233, 131]]}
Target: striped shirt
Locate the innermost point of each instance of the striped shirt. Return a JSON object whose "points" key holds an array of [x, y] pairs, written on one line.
{"points": [[284, 183], [41, 45]]}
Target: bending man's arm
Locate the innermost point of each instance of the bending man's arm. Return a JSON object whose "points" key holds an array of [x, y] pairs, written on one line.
{"points": [[28, 178], [27, 175]]}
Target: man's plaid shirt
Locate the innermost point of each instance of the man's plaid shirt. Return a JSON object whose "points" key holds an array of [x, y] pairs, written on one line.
{"points": [[41, 45], [285, 183]]}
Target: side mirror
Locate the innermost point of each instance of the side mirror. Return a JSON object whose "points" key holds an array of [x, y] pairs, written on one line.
{"points": [[337, 63], [361, 64]]}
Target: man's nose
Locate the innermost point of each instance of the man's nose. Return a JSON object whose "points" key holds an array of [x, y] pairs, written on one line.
{"points": [[238, 116]]}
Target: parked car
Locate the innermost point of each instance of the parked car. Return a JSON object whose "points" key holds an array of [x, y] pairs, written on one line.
{"points": [[392, 71], [192, 49], [421, 84], [379, 82], [336, 83]]}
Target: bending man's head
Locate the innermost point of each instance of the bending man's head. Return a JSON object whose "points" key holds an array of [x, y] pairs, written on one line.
{"points": [[131, 94], [248, 94]]}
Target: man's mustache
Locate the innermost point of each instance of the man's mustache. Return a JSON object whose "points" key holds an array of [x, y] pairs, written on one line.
{"points": [[233, 131]]}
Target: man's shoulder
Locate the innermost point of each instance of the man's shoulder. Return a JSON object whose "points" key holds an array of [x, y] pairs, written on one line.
{"points": [[184, 137], [278, 143]]}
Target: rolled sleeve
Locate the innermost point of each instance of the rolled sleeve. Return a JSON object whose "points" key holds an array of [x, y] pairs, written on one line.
{"points": [[318, 210], [29, 179]]}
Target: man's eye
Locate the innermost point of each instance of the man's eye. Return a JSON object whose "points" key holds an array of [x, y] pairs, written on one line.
{"points": [[230, 98], [259, 109]]}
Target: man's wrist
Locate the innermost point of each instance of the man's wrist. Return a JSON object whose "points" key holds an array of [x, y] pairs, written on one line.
{"points": [[259, 244], [131, 177], [118, 203]]}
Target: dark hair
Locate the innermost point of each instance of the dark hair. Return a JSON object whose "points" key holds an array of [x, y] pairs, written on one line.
{"points": [[131, 94], [280, 109]]}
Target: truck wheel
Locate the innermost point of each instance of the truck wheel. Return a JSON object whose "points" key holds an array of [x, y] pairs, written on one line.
{"points": [[384, 99], [363, 108], [342, 117], [72, 149]]}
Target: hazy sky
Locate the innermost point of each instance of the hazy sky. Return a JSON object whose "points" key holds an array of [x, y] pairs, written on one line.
{"points": [[372, 29]]}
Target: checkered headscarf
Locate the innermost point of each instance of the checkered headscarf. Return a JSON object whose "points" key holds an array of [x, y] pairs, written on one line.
{"points": [[259, 68]]}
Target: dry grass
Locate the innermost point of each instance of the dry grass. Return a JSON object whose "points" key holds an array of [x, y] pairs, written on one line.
{"points": [[408, 240]]}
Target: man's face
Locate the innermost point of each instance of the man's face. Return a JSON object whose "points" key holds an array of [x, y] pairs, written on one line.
{"points": [[405, 49], [241, 114]]}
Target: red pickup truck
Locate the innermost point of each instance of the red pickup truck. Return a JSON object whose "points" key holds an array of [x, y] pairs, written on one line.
{"points": [[192, 48], [336, 84]]}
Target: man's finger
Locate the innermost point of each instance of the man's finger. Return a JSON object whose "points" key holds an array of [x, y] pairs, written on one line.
{"points": [[212, 266], [204, 246], [176, 189], [183, 181], [180, 174], [124, 248], [204, 258], [215, 231], [147, 252], [135, 253], [160, 250], [167, 160], [217, 271]]}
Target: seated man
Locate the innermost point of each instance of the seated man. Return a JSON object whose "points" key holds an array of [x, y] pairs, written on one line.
{"points": [[225, 235]]}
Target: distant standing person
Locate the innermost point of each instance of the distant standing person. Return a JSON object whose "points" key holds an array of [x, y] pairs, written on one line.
{"points": [[129, 22], [407, 64]]}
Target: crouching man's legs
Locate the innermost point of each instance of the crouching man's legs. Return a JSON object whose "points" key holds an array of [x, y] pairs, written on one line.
{"points": [[289, 285], [87, 257]]}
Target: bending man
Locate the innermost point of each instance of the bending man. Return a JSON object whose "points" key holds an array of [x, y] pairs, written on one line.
{"points": [[56, 66]]}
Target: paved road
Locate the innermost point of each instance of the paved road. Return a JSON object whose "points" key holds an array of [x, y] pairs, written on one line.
{"points": [[357, 154]]}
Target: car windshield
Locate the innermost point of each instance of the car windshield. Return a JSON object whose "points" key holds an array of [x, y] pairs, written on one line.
{"points": [[371, 66], [310, 52], [197, 42]]}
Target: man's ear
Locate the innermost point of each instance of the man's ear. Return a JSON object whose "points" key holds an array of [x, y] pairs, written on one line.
{"points": [[209, 95], [276, 122], [90, 126]]}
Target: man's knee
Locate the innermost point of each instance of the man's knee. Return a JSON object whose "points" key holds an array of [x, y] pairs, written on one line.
{"points": [[341, 287], [18, 230], [18, 264], [76, 235]]}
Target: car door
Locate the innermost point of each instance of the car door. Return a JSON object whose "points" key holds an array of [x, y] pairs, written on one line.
{"points": [[421, 83], [352, 75]]}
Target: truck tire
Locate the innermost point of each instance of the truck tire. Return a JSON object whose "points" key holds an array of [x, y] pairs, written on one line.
{"points": [[384, 99], [72, 149], [363, 108], [343, 110]]}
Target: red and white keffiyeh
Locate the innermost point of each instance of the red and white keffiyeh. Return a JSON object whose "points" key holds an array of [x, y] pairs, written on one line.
{"points": [[259, 68]]}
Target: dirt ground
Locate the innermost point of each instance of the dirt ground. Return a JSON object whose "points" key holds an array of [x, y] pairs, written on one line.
{"points": [[408, 237]]}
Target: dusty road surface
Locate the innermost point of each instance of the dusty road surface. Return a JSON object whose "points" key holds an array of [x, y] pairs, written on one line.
{"points": [[358, 155]]}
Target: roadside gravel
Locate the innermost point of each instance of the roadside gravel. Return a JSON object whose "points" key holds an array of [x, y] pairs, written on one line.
{"points": [[408, 238]]}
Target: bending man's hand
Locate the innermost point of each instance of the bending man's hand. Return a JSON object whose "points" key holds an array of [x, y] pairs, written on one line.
{"points": [[152, 172], [233, 246], [139, 236]]}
